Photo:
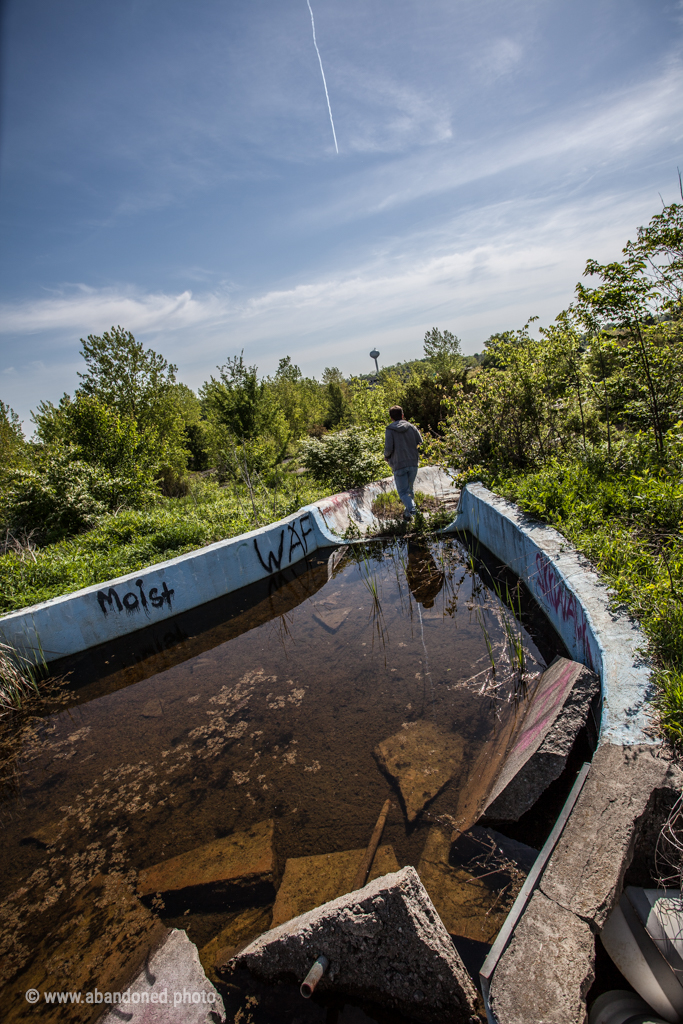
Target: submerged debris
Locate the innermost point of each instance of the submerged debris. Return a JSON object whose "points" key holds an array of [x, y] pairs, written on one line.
{"points": [[422, 759], [237, 869], [242, 929], [384, 942], [469, 906], [102, 938], [330, 617], [308, 882]]}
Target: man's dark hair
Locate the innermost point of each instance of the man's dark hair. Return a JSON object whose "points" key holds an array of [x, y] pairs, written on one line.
{"points": [[396, 412]]}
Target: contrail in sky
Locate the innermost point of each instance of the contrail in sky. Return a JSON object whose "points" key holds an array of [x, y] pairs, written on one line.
{"points": [[334, 134]]}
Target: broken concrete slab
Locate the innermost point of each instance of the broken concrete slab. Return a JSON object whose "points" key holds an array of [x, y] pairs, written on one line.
{"points": [[152, 709], [101, 940], [613, 828], [384, 943], [243, 929], [241, 867], [545, 973], [421, 759], [330, 617], [309, 882], [558, 709], [171, 988], [467, 906], [586, 871]]}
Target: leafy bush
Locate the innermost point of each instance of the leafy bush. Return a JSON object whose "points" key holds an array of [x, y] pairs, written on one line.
{"points": [[629, 526], [348, 458], [102, 437], [251, 456], [61, 494]]}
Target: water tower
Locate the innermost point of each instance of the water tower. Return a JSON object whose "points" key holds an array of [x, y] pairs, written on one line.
{"points": [[375, 355]]}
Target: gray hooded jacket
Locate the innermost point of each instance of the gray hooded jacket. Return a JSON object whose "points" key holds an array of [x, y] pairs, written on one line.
{"points": [[401, 441]]}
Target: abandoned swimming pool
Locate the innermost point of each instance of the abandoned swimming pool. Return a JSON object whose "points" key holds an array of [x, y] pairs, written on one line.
{"points": [[305, 700]]}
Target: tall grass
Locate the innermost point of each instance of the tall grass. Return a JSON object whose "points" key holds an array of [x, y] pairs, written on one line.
{"points": [[630, 525], [19, 680], [131, 540]]}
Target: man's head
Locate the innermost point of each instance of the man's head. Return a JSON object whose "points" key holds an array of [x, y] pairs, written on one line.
{"points": [[396, 412]]}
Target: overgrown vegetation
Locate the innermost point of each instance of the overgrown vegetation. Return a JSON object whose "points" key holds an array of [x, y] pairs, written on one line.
{"points": [[389, 506], [582, 425], [134, 538], [134, 467]]}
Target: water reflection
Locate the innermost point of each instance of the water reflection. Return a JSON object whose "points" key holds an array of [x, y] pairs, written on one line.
{"points": [[425, 579], [277, 717]]}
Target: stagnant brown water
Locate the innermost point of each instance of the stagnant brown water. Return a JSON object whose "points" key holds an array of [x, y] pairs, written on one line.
{"points": [[267, 704]]}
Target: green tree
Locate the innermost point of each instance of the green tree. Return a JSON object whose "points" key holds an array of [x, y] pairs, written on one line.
{"points": [[512, 415], [338, 398], [639, 305], [190, 413], [99, 435], [12, 441], [496, 346], [660, 246], [140, 384], [624, 301], [233, 399], [301, 399], [442, 350], [123, 374]]}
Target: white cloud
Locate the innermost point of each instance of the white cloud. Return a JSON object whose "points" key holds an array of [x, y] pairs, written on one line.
{"points": [[487, 270], [498, 58], [80, 307], [531, 256], [376, 113], [579, 142]]}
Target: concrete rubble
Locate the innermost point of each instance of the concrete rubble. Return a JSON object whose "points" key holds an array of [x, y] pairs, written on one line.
{"points": [[547, 969], [421, 759], [384, 942], [171, 988], [105, 942], [241, 868], [586, 871], [559, 708], [309, 882], [618, 815]]}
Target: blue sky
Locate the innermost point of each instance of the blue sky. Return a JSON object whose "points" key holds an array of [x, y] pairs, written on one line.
{"points": [[169, 166]]}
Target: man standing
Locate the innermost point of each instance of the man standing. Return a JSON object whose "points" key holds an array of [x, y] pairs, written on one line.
{"points": [[401, 442]]}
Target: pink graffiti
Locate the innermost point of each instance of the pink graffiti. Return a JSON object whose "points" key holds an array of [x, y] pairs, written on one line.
{"points": [[564, 603], [543, 709]]}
